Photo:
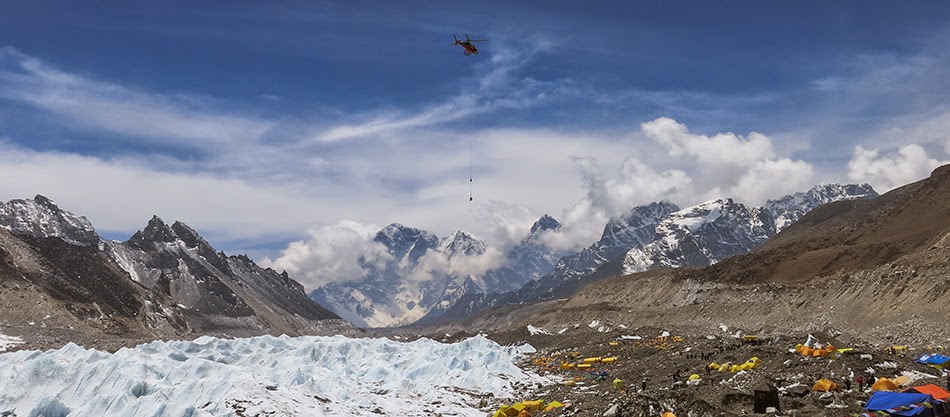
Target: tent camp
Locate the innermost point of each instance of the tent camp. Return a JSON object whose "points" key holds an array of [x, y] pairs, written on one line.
{"points": [[936, 360], [933, 390], [825, 385], [905, 404], [884, 384]]}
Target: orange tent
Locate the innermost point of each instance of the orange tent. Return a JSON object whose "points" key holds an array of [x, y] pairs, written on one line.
{"points": [[668, 414], [933, 390], [825, 385], [884, 384]]}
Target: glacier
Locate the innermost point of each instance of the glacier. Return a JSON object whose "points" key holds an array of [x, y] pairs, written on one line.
{"points": [[265, 375]]}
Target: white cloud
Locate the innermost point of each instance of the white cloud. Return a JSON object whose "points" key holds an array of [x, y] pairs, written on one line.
{"points": [[720, 149], [119, 196], [495, 88], [332, 254], [436, 264], [93, 104], [768, 179], [728, 165], [886, 172]]}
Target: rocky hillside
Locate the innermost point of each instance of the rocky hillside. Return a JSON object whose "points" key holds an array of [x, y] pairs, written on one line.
{"points": [[876, 267], [59, 282]]}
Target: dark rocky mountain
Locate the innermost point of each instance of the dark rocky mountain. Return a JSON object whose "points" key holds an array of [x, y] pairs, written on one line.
{"points": [[166, 281]]}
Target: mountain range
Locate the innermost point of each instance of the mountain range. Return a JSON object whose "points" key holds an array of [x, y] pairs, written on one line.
{"points": [[424, 274], [165, 281], [873, 267], [656, 235]]}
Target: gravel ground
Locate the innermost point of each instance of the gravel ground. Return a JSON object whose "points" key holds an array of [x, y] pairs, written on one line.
{"points": [[664, 364]]}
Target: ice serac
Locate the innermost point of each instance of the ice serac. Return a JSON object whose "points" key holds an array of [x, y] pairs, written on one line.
{"points": [[41, 217], [715, 230], [265, 376]]}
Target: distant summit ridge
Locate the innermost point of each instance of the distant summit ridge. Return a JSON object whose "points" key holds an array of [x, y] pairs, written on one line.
{"points": [[41, 217]]}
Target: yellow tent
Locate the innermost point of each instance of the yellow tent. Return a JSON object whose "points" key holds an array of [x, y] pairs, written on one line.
{"points": [[694, 377], [501, 411], [552, 405], [534, 405], [514, 410], [902, 380], [611, 359], [884, 384], [592, 360], [668, 414], [713, 366], [825, 385]]}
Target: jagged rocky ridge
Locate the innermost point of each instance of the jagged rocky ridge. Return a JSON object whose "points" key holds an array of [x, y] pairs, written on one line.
{"points": [[169, 281], [659, 235]]}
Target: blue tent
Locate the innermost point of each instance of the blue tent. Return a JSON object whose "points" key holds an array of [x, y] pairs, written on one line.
{"points": [[936, 359], [901, 403]]}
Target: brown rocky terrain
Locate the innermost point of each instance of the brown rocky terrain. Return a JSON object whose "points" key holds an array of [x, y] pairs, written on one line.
{"points": [[870, 273]]}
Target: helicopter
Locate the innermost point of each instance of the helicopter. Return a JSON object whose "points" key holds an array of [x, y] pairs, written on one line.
{"points": [[470, 48]]}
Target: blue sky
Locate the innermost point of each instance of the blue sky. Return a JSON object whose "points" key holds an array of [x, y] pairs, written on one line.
{"points": [[265, 126]]}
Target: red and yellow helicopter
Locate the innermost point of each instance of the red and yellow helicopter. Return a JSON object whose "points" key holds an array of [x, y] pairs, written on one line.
{"points": [[470, 48]]}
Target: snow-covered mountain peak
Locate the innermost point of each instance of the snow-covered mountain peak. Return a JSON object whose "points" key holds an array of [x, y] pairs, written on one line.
{"points": [[463, 243], [635, 228], [695, 217], [407, 244], [41, 217], [546, 222], [790, 208]]}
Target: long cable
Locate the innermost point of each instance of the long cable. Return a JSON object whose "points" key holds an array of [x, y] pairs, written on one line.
{"points": [[471, 182]]}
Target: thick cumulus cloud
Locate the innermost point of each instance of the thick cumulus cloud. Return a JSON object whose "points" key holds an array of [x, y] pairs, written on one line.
{"points": [[888, 171], [718, 152], [333, 254], [746, 168]]}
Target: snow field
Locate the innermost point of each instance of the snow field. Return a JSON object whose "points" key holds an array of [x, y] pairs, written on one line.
{"points": [[275, 376]]}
